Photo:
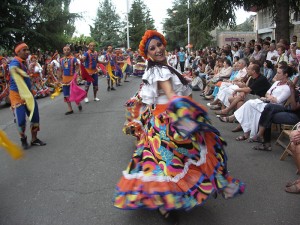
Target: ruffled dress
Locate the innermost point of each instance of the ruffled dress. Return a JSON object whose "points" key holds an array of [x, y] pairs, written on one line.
{"points": [[179, 160]]}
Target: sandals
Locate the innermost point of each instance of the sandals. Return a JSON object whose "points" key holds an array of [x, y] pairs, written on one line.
{"points": [[226, 119], [237, 129], [290, 183], [262, 147], [256, 139], [38, 142], [294, 189], [220, 112], [208, 97], [215, 107], [241, 138]]}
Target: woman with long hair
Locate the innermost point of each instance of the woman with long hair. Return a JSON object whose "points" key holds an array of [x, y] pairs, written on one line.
{"points": [[179, 161]]}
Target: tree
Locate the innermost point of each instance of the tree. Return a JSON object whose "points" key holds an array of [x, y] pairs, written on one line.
{"points": [[246, 26], [44, 24], [140, 20], [175, 27], [107, 27], [225, 11]]}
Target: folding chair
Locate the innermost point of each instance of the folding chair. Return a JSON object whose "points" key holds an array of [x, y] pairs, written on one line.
{"points": [[284, 140]]}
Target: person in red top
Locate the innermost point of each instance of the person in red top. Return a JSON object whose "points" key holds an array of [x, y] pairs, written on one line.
{"points": [[90, 61]]}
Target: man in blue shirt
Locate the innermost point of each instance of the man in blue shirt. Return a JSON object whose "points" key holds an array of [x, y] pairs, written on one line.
{"points": [[22, 100], [181, 56]]}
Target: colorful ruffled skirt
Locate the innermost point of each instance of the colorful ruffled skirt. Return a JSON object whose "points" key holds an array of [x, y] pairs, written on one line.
{"points": [[179, 160]]}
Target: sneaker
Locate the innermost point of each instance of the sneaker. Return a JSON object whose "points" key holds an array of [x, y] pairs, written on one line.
{"points": [[113, 89], [69, 112], [24, 143], [86, 100], [37, 142], [96, 99]]}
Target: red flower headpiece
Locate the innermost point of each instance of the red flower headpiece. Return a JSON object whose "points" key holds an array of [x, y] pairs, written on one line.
{"points": [[149, 34]]}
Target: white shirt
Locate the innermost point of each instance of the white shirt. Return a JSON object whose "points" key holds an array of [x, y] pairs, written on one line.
{"points": [[270, 55], [150, 93]]}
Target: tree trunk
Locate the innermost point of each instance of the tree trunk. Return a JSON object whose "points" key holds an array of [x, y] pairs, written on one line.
{"points": [[282, 17]]}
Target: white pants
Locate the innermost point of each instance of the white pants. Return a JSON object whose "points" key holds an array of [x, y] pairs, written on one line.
{"points": [[249, 114], [225, 92]]}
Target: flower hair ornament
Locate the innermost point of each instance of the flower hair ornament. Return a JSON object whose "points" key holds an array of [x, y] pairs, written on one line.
{"points": [[148, 36]]}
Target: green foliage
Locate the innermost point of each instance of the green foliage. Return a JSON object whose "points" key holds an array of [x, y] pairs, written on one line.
{"points": [[140, 20], [83, 39], [41, 24], [107, 27], [176, 29], [215, 13], [246, 26]]}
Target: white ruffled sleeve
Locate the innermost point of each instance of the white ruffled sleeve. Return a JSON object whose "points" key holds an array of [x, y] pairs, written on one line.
{"points": [[150, 93]]}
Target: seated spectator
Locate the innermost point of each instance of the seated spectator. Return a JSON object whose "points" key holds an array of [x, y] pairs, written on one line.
{"points": [[268, 70], [235, 59], [227, 88], [257, 54], [234, 72], [256, 86], [295, 76], [282, 54], [274, 113], [249, 113], [217, 70], [247, 52], [272, 54]]}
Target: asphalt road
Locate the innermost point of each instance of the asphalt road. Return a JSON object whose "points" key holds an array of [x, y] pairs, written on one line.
{"points": [[71, 180]]}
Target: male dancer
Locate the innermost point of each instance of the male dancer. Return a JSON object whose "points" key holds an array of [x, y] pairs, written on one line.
{"points": [[68, 65], [22, 100], [111, 59], [90, 60]]}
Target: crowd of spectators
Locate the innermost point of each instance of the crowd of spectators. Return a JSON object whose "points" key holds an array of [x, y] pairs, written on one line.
{"points": [[254, 84]]}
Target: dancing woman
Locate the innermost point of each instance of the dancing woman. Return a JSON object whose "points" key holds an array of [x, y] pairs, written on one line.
{"points": [[179, 161]]}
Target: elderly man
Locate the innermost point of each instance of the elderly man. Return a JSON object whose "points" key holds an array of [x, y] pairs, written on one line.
{"points": [[272, 54], [22, 100], [227, 88]]}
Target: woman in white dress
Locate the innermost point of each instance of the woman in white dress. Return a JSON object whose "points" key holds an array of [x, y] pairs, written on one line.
{"points": [[249, 113]]}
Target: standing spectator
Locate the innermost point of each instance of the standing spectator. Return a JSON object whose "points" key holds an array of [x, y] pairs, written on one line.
{"points": [[181, 56]]}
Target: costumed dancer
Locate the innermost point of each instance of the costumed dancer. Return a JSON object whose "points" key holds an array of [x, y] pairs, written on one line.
{"points": [[119, 66], [90, 60], [129, 59], [21, 97], [110, 58], [179, 161], [68, 65]]}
